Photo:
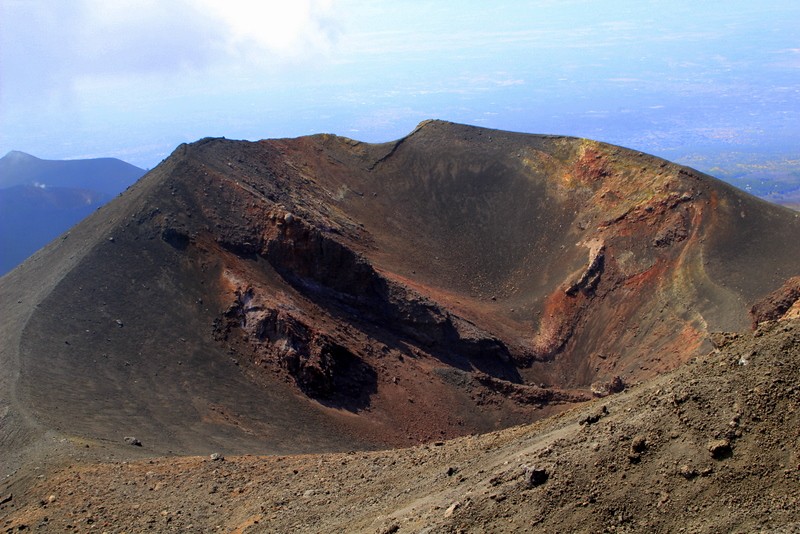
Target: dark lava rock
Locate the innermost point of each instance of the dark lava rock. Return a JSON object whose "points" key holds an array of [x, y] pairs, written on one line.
{"points": [[535, 477]]}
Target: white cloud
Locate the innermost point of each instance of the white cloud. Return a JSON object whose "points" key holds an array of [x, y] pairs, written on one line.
{"points": [[50, 48], [289, 29], [204, 32]]}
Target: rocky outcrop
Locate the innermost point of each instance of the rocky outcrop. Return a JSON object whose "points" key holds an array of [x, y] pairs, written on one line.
{"points": [[780, 303], [590, 277], [281, 338], [334, 275]]}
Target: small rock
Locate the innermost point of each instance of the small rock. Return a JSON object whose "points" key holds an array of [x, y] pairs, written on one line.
{"points": [[595, 417], [535, 477], [688, 472], [639, 444], [130, 440], [720, 449], [119, 323], [451, 509], [452, 471], [7, 498], [604, 389], [217, 457]]}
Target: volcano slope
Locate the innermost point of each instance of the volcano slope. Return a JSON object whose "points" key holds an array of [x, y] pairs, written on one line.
{"points": [[713, 446], [322, 294]]}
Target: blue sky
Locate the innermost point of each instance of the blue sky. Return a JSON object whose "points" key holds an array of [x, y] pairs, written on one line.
{"points": [[133, 79]]}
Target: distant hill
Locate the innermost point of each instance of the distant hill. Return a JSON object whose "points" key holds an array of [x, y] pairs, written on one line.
{"points": [[40, 199]]}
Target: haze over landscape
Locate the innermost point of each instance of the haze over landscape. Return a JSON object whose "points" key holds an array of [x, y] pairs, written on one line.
{"points": [[710, 84]]}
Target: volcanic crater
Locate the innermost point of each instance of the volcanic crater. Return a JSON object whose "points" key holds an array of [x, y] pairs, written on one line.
{"points": [[323, 294]]}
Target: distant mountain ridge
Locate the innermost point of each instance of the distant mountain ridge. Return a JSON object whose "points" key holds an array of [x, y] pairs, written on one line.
{"points": [[106, 175], [40, 199]]}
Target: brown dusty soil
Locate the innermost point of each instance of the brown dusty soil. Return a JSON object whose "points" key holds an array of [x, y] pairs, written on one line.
{"points": [[711, 447]]}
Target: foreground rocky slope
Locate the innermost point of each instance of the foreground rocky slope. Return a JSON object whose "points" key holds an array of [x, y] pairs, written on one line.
{"points": [[711, 447]]}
